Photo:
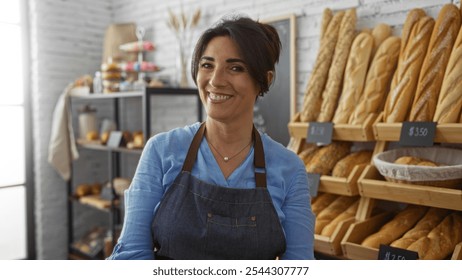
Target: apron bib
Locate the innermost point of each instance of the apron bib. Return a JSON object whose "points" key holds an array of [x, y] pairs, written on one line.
{"points": [[198, 220]]}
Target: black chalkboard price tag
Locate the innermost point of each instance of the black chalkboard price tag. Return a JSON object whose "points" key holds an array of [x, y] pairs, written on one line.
{"points": [[395, 254], [313, 183], [417, 134], [320, 132]]}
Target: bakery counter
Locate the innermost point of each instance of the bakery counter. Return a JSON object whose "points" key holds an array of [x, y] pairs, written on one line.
{"points": [[343, 132], [445, 133], [373, 185]]}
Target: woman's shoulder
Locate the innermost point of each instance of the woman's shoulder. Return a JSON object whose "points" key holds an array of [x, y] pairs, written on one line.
{"points": [[276, 152]]}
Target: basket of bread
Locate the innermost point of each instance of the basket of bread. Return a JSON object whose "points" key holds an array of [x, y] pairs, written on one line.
{"points": [[428, 166]]}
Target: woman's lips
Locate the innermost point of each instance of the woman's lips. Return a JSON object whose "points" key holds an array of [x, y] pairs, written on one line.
{"points": [[218, 97]]}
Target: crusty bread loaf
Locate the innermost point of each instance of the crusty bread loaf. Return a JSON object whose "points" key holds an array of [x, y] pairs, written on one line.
{"points": [[355, 76], [450, 98], [313, 93], [326, 157], [410, 160], [322, 201], [407, 73], [441, 241], [349, 213], [344, 166], [413, 16], [396, 227], [327, 16], [308, 152], [332, 90], [334, 209], [431, 219], [444, 35], [380, 33], [378, 80]]}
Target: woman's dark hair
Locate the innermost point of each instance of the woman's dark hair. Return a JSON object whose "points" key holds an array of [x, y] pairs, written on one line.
{"points": [[258, 43]]}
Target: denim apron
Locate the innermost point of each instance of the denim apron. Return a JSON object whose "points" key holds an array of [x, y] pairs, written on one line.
{"points": [[198, 220]]}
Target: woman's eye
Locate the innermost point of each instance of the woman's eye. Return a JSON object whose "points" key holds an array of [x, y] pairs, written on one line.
{"points": [[206, 65], [238, 68]]}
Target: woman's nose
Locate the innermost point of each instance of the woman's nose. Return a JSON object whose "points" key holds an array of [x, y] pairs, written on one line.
{"points": [[217, 79]]}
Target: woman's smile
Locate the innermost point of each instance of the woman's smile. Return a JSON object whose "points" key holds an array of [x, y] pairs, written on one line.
{"points": [[215, 97]]}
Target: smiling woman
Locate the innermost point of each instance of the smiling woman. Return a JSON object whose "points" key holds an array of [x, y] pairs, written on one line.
{"points": [[221, 189]]}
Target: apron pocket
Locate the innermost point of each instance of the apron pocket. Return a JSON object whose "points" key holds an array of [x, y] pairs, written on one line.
{"points": [[231, 237]]}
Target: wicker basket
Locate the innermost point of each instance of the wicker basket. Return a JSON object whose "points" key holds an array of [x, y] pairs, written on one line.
{"points": [[448, 174]]}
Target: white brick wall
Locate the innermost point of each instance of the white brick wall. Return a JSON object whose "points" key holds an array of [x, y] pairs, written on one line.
{"points": [[66, 41]]}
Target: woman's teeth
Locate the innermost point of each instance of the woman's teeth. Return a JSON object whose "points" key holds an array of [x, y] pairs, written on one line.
{"points": [[217, 97]]}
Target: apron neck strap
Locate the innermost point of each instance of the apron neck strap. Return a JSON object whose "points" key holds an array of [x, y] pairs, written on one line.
{"points": [[259, 155]]}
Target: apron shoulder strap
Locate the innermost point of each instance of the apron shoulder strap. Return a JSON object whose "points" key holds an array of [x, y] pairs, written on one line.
{"points": [[193, 149], [259, 160]]}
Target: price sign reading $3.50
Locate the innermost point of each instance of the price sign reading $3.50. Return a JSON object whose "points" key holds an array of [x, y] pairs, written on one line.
{"points": [[417, 134]]}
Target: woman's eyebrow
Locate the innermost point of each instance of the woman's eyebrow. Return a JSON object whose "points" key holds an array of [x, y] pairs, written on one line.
{"points": [[229, 60]]}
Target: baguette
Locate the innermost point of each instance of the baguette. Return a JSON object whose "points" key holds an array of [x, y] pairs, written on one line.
{"points": [[327, 16], [329, 229], [334, 209], [334, 80], [450, 98], [322, 201], [431, 75], [344, 166], [380, 33], [441, 241], [326, 157], [396, 227], [307, 154], [431, 219], [317, 81], [378, 80], [355, 76], [407, 73]]}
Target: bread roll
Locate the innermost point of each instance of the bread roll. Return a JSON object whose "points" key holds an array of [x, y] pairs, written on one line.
{"points": [[344, 166], [349, 213], [380, 33], [313, 93], [450, 98], [407, 73], [431, 75], [396, 227], [326, 157], [355, 76], [378, 80], [441, 241], [327, 16], [334, 209], [334, 80], [431, 219], [322, 201], [410, 160]]}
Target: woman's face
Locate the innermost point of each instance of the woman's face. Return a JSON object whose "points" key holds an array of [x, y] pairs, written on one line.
{"points": [[226, 88]]}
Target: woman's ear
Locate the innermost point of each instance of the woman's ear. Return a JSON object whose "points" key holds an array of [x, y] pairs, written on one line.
{"points": [[270, 76]]}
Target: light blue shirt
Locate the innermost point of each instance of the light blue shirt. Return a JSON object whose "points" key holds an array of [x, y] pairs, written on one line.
{"points": [[161, 162]]}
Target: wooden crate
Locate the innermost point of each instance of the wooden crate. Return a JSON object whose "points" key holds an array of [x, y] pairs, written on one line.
{"points": [[331, 245], [457, 254], [372, 185], [445, 133], [357, 232], [342, 186], [344, 132]]}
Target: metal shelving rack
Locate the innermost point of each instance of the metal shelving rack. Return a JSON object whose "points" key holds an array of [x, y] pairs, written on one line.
{"points": [[114, 153]]}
